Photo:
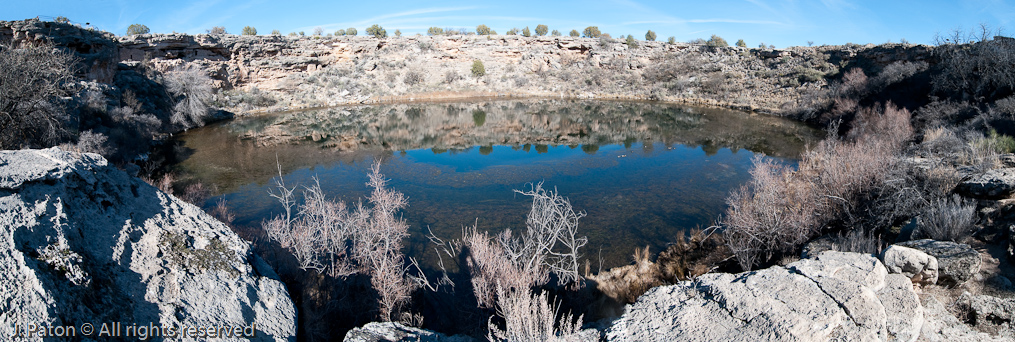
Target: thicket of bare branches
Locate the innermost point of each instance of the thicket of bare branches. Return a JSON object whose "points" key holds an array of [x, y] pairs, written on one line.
{"points": [[781, 208], [192, 89], [31, 82], [338, 239]]}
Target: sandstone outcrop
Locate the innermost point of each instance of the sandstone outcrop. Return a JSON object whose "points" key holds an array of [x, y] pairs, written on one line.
{"points": [[835, 296], [82, 242]]}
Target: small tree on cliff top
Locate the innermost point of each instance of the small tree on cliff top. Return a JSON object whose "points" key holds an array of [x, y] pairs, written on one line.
{"points": [[541, 30], [377, 31], [137, 29]]}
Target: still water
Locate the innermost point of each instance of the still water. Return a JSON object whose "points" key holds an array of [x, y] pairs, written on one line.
{"points": [[644, 173]]}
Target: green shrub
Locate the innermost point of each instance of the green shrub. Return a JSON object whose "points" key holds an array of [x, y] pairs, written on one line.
{"points": [[249, 31], [478, 69], [650, 36], [555, 33], [483, 30], [542, 29], [671, 40], [398, 33], [1001, 143], [292, 34], [218, 30], [340, 33], [762, 45], [574, 33], [605, 40], [716, 41], [631, 43], [512, 31], [435, 31], [741, 43], [377, 31], [351, 31], [137, 29], [276, 33], [62, 19], [526, 32], [591, 32], [302, 33]]}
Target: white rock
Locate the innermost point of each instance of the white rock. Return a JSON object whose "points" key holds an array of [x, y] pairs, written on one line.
{"points": [[920, 267]]}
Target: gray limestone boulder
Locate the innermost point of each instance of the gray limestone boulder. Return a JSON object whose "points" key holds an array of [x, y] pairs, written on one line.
{"points": [[990, 313], [834, 296], [957, 262], [82, 242], [396, 332], [993, 184], [920, 267]]}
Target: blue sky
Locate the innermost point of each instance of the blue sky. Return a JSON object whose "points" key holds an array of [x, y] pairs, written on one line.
{"points": [[779, 22]]}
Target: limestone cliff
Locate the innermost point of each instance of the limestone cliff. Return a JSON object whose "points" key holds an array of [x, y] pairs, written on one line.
{"points": [[82, 242]]}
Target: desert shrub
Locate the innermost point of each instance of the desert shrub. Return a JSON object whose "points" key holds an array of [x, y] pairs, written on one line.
{"points": [[137, 29], [249, 31], [412, 78], [779, 209], [218, 30], [512, 32], [631, 42], [542, 29], [451, 76], [1004, 107], [292, 34], [1000, 142], [435, 31], [92, 142], [351, 31], [276, 33], [483, 30], [318, 31], [650, 36], [377, 31], [716, 41], [341, 240], [555, 33], [398, 33], [526, 32], [591, 32], [191, 88], [605, 40], [301, 33], [741, 43], [895, 73], [62, 19], [858, 241], [478, 69], [671, 40], [805, 74], [574, 33], [947, 219], [533, 318], [31, 82], [340, 32]]}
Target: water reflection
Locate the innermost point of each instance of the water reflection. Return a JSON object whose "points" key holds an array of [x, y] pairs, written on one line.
{"points": [[643, 172]]}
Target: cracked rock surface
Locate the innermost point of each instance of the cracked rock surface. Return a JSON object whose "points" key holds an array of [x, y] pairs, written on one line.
{"points": [[82, 242], [835, 296]]}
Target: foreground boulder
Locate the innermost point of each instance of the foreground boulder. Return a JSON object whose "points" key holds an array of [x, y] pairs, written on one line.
{"points": [[834, 296], [957, 262], [396, 332], [82, 242], [920, 267]]}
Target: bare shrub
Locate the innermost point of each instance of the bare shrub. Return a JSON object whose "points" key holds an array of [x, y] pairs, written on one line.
{"points": [[92, 142], [896, 72], [451, 76], [491, 268], [192, 89], [195, 193], [31, 82], [533, 318], [981, 153], [551, 220], [625, 284], [858, 241], [780, 209], [222, 212], [947, 219], [412, 78], [340, 240], [854, 84]]}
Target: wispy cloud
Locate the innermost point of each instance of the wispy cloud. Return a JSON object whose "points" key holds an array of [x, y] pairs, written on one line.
{"points": [[702, 21]]}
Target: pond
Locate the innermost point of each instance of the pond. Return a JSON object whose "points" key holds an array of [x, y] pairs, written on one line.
{"points": [[643, 172]]}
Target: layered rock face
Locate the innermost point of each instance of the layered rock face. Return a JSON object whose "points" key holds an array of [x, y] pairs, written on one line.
{"points": [[82, 242], [835, 296]]}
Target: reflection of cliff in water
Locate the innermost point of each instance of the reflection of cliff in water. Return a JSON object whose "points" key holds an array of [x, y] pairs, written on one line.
{"points": [[233, 153], [448, 126]]}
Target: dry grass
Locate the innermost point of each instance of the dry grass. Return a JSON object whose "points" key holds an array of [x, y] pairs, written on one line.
{"points": [[533, 318]]}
